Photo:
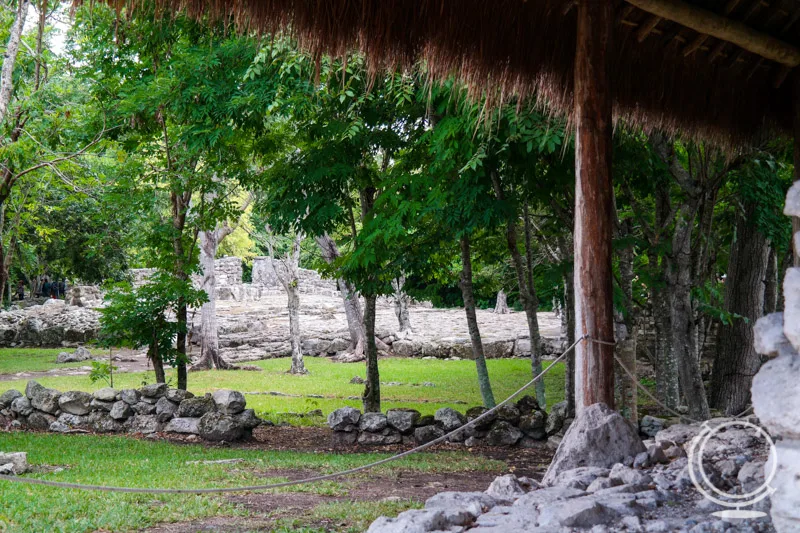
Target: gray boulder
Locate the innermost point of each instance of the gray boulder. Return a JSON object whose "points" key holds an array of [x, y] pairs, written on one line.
{"points": [[506, 489], [22, 406], [144, 408], [373, 422], [42, 398], [577, 513], [556, 418], [18, 460], [154, 390], [74, 421], [183, 425], [248, 419], [484, 424], [473, 503], [344, 419], [218, 427], [385, 437], [195, 407], [229, 402], [527, 404], [41, 421], [650, 425], [59, 427], [178, 395], [533, 425], [79, 355], [120, 411], [106, 394], [413, 521], [129, 396], [75, 402], [581, 478], [165, 409], [629, 476], [425, 434], [402, 420], [8, 397], [101, 422], [144, 424], [678, 434], [503, 434], [600, 437], [99, 405], [449, 419], [508, 413]]}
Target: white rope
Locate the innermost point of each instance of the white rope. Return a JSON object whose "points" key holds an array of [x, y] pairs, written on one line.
{"points": [[325, 477]]}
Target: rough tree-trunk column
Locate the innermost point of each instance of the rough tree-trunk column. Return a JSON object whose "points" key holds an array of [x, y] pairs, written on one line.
{"points": [[594, 362], [352, 307], [472, 324], [401, 305], [626, 338], [372, 389], [501, 307], [209, 336], [569, 360], [736, 360], [10, 58]]}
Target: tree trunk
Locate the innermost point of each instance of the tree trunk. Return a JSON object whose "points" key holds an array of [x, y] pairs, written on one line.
{"points": [[180, 206], [292, 286], [158, 364], [501, 306], [527, 290], [627, 393], [352, 306], [594, 303], [209, 335], [771, 283], [372, 389], [10, 58], [684, 342], [472, 323], [569, 360], [401, 300], [736, 361]]}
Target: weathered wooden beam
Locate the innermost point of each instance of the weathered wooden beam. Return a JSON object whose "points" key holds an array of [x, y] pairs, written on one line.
{"points": [[648, 26], [721, 27], [698, 42], [594, 362]]}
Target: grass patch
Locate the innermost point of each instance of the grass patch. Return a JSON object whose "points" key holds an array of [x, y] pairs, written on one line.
{"points": [[327, 386], [13, 360], [122, 461]]}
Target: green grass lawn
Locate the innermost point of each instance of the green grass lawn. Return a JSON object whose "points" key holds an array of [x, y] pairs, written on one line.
{"points": [[121, 461], [13, 360], [453, 382]]}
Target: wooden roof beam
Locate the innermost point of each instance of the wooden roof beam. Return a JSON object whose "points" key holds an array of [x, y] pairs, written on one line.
{"points": [[701, 39], [723, 28]]}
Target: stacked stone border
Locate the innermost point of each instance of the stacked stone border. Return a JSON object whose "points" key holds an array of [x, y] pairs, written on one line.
{"points": [[216, 417], [523, 424]]}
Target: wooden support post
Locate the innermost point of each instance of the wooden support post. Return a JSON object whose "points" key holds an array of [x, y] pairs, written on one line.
{"points": [[594, 363]]}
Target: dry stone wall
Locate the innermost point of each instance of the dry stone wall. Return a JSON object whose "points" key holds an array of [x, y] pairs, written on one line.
{"points": [[221, 416]]}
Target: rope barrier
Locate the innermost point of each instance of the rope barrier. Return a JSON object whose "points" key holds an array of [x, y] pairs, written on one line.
{"points": [[313, 479]]}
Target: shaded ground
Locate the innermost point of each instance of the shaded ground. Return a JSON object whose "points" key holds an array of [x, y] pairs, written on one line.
{"points": [[322, 513]]}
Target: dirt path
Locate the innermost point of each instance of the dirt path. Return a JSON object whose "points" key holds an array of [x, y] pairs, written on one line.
{"points": [[265, 509], [124, 360]]}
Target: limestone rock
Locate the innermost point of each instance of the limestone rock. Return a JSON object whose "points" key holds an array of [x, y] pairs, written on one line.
{"points": [[580, 478], [183, 425], [776, 396], [229, 402], [383, 438], [503, 434], [792, 206], [98, 405], [506, 489], [344, 419], [527, 404], [578, 513], [106, 394], [485, 424], [473, 503], [7, 398], [145, 424], [508, 413], [120, 411], [413, 521], [129, 396], [101, 422], [556, 418], [154, 390], [533, 425], [629, 476], [144, 408], [373, 422], [178, 395], [402, 420], [650, 425], [79, 355], [791, 311], [42, 398], [769, 338], [18, 460], [22, 406], [425, 434], [74, 421], [217, 427], [599, 436], [248, 419], [41, 421], [59, 427], [165, 409], [678, 433], [195, 407], [449, 419], [75, 402]]}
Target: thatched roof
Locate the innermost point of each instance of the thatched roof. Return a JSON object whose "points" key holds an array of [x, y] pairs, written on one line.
{"points": [[665, 75]]}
